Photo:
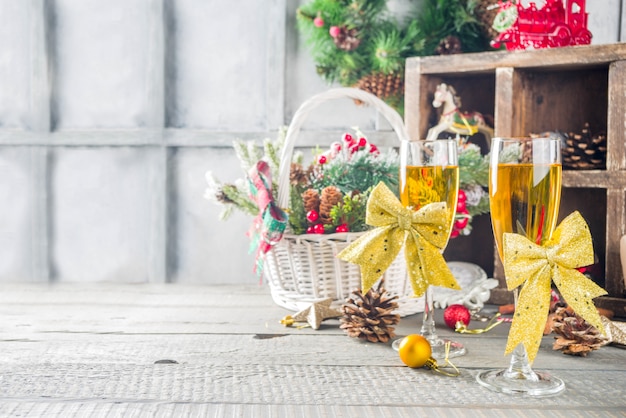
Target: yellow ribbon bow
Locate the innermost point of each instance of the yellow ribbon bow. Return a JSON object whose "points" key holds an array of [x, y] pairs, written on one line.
{"points": [[425, 232], [535, 266]]}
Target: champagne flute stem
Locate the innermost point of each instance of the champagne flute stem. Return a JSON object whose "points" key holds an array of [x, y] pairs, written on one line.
{"points": [[519, 367], [428, 326]]}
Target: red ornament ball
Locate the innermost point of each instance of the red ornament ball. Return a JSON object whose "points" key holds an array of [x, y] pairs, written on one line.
{"points": [[342, 228], [334, 31], [318, 228], [456, 313]]}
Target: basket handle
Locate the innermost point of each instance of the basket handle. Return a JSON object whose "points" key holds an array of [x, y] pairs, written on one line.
{"points": [[300, 116]]}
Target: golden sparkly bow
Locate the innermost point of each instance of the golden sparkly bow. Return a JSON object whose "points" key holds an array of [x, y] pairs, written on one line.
{"points": [[425, 232], [535, 266]]}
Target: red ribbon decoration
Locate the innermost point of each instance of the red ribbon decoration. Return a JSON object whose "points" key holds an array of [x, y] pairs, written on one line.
{"points": [[268, 226]]}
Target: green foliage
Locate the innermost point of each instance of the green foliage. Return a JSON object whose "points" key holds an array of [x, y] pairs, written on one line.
{"points": [[297, 215], [351, 211], [390, 46], [358, 172], [441, 18], [473, 167], [379, 43], [235, 196], [355, 170], [383, 42], [371, 25]]}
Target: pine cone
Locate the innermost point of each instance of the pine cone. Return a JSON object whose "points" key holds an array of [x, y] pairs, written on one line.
{"points": [[585, 151], [298, 176], [370, 317], [382, 85], [576, 336], [331, 195], [449, 45], [311, 200], [347, 39]]}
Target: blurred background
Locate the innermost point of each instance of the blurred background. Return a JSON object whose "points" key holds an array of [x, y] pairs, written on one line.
{"points": [[111, 112]]}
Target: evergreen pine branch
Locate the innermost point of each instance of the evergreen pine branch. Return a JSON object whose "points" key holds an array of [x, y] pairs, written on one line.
{"points": [[360, 172], [297, 215], [240, 199], [474, 167], [226, 213], [242, 151], [388, 49]]}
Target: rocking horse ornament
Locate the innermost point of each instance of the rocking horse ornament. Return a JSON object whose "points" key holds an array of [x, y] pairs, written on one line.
{"points": [[453, 120]]}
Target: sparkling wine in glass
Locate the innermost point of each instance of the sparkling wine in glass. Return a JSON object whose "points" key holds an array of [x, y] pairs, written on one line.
{"points": [[524, 198], [429, 173]]}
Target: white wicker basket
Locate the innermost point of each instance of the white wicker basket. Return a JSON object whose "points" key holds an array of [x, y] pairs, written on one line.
{"points": [[304, 268]]}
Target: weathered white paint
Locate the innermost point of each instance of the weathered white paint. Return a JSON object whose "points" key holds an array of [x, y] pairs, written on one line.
{"points": [[15, 65], [100, 62], [111, 111], [100, 213]]}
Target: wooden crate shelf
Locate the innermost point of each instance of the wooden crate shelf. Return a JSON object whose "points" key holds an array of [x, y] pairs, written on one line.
{"points": [[531, 92]]}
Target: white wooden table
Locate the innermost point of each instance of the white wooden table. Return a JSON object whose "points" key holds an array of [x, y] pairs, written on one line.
{"points": [[172, 350]]}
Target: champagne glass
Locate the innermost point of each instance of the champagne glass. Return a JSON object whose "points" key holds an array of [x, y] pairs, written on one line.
{"points": [[524, 197], [429, 173]]}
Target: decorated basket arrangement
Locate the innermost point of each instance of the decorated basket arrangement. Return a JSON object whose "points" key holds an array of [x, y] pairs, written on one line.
{"points": [[304, 267], [321, 208], [306, 214]]}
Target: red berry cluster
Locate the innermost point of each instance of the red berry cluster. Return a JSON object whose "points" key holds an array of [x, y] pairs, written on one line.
{"points": [[350, 146], [343, 151], [462, 215], [317, 227]]}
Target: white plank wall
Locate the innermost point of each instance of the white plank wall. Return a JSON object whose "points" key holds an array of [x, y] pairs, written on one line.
{"points": [[112, 111]]}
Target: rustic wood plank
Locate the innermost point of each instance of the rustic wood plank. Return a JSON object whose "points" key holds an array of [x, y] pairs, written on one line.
{"points": [[505, 105], [594, 179], [158, 409], [615, 230], [269, 347], [562, 58], [413, 98], [102, 350], [616, 124], [290, 385]]}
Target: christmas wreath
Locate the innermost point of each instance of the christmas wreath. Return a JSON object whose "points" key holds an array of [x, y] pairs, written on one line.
{"points": [[357, 43]]}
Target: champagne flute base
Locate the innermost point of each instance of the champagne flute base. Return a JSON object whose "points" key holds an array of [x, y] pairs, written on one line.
{"points": [[440, 352], [518, 382]]}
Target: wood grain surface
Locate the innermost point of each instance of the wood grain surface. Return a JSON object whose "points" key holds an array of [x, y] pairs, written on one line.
{"points": [[174, 350]]}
